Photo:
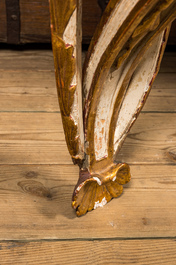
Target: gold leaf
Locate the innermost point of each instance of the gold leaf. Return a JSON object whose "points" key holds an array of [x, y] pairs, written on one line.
{"points": [[70, 135], [61, 11], [65, 70]]}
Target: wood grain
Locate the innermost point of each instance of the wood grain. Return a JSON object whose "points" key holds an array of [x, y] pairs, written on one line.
{"points": [[25, 60], [118, 252], [35, 204], [36, 91], [37, 176], [42, 60], [27, 83], [35, 21], [90, 19], [3, 24], [41, 141], [28, 91], [168, 64]]}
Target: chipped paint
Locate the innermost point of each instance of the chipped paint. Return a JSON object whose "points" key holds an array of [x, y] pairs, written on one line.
{"points": [[136, 92], [114, 178], [105, 108], [119, 14], [100, 204], [97, 180]]}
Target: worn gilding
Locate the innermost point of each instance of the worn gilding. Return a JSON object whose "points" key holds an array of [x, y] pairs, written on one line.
{"points": [[103, 179], [100, 187], [65, 67], [61, 12]]}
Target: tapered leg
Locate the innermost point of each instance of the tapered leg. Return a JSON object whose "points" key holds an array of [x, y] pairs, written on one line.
{"points": [[99, 108]]}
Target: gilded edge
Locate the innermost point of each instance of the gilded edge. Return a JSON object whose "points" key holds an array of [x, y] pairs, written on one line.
{"points": [[65, 67]]}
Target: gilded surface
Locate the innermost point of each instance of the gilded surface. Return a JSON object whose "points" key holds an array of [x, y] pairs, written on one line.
{"points": [[61, 12], [65, 67], [99, 189], [100, 181]]}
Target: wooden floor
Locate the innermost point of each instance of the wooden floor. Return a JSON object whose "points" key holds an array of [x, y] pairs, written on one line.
{"points": [[37, 223]]}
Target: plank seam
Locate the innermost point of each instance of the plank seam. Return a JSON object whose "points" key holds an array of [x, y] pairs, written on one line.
{"points": [[87, 239], [57, 164]]}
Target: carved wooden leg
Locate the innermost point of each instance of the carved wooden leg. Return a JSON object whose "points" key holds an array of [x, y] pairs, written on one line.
{"points": [[121, 64]]}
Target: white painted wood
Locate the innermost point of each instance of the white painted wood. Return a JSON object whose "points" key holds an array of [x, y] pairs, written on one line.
{"points": [[138, 87], [132, 101], [119, 14], [105, 109]]}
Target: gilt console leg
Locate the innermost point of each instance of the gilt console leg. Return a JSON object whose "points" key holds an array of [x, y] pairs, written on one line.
{"points": [[99, 107]]}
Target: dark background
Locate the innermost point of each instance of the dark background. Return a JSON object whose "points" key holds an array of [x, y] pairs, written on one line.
{"points": [[28, 21]]}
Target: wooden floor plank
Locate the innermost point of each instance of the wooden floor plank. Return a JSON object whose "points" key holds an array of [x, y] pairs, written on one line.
{"points": [[140, 252], [25, 60], [28, 91], [165, 81], [37, 176], [42, 60], [36, 91], [28, 138], [35, 203], [151, 140], [28, 60], [162, 97]]}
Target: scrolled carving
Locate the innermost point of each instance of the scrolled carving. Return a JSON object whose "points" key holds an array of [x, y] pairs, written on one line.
{"points": [[121, 64], [95, 190]]}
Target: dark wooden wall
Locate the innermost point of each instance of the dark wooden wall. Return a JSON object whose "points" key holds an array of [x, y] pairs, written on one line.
{"points": [[34, 21]]}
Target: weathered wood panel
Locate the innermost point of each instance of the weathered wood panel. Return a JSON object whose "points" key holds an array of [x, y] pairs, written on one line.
{"points": [[42, 60], [27, 138], [3, 24], [35, 204], [90, 19], [35, 20], [25, 60], [141, 252]]}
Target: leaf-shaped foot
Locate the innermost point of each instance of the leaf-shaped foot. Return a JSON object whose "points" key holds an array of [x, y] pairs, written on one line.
{"points": [[95, 190]]}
